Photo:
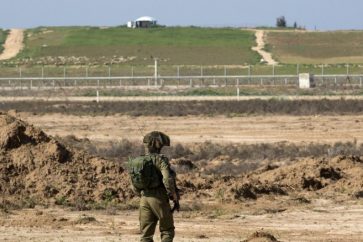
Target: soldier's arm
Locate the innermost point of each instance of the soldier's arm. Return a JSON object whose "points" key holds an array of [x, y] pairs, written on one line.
{"points": [[168, 179]]}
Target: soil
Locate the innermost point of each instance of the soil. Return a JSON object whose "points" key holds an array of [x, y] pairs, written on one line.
{"points": [[312, 199], [13, 44], [266, 56], [35, 168], [197, 129], [322, 221]]}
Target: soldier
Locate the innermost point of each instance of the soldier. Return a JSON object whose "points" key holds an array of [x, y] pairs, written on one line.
{"points": [[153, 179]]}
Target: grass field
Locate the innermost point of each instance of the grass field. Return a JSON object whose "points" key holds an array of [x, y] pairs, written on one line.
{"points": [[172, 70], [173, 45], [316, 47], [3, 34]]}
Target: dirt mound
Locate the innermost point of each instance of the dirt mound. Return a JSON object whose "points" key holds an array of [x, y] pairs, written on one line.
{"points": [[261, 236], [35, 168], [342, 174], [326, 177]]}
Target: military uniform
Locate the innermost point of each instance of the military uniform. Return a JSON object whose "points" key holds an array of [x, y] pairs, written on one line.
{"points": [[154, 202]]}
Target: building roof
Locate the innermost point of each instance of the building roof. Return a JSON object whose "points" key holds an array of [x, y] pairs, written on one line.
{"points": [[146, 18]]}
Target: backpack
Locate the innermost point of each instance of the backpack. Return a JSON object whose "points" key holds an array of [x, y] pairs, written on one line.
{"points": [[144, 175]]}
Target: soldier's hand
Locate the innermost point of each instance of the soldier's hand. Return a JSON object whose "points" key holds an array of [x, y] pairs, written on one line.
{"points": [[176, 206]]}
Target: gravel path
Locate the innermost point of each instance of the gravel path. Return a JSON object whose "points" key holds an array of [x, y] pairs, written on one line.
{"points": [[13, 44], [266, 56]]}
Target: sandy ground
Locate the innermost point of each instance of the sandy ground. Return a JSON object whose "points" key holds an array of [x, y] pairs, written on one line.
{"points": [[13, 44], [266, 56], [323, 221], [191, 129]]}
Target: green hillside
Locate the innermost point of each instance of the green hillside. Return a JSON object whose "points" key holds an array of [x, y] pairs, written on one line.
{"points": [[173, 45], [3, 34], [316, 47]]}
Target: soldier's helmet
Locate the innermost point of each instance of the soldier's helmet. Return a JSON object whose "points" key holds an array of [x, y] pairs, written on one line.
{"points": [[156, 139]]}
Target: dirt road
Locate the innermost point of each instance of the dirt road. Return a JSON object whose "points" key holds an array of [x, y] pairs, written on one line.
{"points": [[323, 221], [266, 56], [13, 44], [193, 129]]}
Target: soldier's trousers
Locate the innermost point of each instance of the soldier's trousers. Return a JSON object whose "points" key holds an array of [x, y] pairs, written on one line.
{"points": [[153, 208]]}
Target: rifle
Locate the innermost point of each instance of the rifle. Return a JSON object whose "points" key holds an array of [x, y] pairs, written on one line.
{"points": [[176, 206]]}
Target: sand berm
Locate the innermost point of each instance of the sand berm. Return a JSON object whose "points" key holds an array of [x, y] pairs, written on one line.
{"points": [[36, 167]]}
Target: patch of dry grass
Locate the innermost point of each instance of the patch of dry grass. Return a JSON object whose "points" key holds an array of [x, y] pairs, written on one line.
{"points": [[316, 47]]}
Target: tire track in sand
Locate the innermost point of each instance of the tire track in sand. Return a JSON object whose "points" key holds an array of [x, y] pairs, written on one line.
{"points": [[13, 44], [266, 56]]}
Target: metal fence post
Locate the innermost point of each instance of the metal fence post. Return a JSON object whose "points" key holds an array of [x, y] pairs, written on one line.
{"points": [[322, 71], [64, 76], [273, 70], [347, 69]]}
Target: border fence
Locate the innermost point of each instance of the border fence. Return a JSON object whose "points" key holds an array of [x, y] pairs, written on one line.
{"points": [[150, 77]]}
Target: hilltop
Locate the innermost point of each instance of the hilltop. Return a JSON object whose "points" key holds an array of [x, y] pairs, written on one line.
{"points": [[121, 45], [184, 46]]}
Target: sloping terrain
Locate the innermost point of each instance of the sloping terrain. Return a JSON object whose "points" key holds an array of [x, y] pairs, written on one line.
{"points": [[13, 44], [316, 47], [120, 45], [36, 168], [3, 36]]}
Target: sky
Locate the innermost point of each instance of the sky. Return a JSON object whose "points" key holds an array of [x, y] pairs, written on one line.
{"points": [[312, 14]]}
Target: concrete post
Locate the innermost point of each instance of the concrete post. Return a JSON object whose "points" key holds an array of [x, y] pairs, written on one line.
{"points": [[273, 70], [156, 71], [347, 70]]}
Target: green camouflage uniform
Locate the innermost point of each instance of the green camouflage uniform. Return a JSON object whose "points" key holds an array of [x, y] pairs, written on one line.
{"points": [[154, 203]]}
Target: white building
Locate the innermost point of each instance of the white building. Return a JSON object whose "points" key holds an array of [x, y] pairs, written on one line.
{"points": [[142, 22]]}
